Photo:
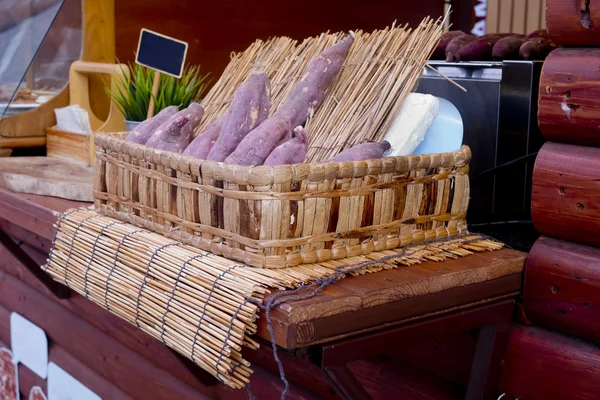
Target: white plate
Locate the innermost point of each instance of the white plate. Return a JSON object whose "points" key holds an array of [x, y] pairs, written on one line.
{"points": [[446, 132]]}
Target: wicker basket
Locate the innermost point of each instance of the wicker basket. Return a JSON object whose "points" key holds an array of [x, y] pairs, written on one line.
{"points": [[285, 215]]}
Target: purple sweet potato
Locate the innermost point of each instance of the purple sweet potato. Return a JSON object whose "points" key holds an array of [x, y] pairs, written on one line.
{"points": [[143, 131], [310, 89], [250, 106], [258, 144], [440, 51], [507, 48], [456, 44], [477, 50], [177, 133], [201, 145], [536, 49], [292, 151], [540, 33], [363, 151]]}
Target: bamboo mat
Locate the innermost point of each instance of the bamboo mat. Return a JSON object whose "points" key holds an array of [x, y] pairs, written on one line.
{"points": [[201, 305]]}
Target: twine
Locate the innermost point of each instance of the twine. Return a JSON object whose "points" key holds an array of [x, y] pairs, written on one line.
{"points": [[89, 264], [137, 302], [210, 294], [179, 275], [321, 284], [114, 265]]}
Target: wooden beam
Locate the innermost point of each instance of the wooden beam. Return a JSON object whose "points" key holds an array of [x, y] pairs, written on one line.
{"points": [[540, 364], [569, 104], [574, 23], [18, 142], [565, 192], [562, 287], [59, 291], [116, 363]]}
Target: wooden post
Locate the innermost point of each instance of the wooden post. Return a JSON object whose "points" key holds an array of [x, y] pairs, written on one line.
{"points": [[569, 105], [565, 191], [155, 84]]}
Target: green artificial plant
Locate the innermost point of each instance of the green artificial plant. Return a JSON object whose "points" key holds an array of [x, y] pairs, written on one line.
{"points": [[133, 93]]}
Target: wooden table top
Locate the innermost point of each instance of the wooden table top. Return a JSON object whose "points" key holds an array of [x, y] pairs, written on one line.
{"points": [[350, 306]]}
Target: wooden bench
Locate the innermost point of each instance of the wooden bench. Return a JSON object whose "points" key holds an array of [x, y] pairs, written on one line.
{"points": [[357, 317]]}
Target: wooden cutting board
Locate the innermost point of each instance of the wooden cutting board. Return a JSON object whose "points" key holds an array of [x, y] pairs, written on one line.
{"points": [[47, 176]]}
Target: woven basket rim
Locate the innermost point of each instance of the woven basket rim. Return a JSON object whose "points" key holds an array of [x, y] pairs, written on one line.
{"points": [[267, 175]]}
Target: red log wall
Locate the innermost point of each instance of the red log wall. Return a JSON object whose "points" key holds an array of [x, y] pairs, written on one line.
{"points": [[569, 96], [543, 365], [565, 199], [562, 287], [574, 22]]}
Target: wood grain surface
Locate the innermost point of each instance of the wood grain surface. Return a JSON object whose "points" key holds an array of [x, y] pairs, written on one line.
{"points": [[358, 303], [569, 96], [47, 176], [565, 199], [36, 214], [562, 287], [574, 22], [543, 365]]}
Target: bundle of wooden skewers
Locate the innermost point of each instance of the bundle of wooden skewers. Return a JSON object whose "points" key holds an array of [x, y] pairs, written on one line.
{"points": [[313, 98]]}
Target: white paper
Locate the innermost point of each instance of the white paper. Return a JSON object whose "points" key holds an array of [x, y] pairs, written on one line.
{"points": [[62, 386], [73, 119], [29, 345]]}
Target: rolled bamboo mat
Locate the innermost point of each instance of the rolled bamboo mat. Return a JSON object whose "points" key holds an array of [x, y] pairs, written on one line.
{"points": [[201, 305]]}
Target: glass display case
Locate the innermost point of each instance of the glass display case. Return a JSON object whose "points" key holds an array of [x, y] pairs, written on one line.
{"points": [[40, 39]]}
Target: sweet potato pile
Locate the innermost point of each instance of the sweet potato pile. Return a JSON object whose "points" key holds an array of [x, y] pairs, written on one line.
{"points": [[246, 134], [458, 46]]}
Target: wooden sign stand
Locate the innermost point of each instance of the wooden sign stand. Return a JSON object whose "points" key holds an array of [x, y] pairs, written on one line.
{"points": [[155, 84], [163, 55]]}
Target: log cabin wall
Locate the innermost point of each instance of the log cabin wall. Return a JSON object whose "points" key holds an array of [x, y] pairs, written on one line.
{"points": [[214, 29], [515, 16], [562, 276]]}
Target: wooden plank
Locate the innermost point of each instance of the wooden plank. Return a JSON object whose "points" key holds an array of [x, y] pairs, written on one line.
{"points": [[448, 356], [298, 368], [574, 23], [36, 214], [24, 236], [562, 287], [126, 369], [565, 192], [506, 16], [48, 177], [519, 13], [543, 365], [491, 21], [569, 100], [385, 378], [357, 303], [535, 14], [543, 13]]}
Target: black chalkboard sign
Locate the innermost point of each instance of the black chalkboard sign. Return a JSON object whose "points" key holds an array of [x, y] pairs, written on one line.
{"points": [[161, 53]]}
